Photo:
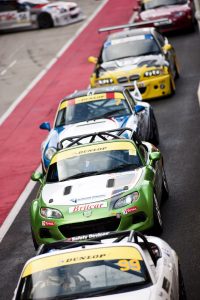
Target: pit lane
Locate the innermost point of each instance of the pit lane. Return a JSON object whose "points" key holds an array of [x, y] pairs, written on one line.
{"points": [[179, 122]]}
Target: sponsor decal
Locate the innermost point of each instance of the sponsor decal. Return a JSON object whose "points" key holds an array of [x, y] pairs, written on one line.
{"points": [[130, 210], [92, 98], [48, 223], [81, 256], [85, 207], [87, 236], [120, 145]]}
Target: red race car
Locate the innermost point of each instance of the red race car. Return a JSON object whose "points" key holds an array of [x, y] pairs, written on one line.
{"points": [[175, 14]]}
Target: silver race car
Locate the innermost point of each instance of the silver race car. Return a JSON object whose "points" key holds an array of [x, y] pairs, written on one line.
{"points": [[124, 265], [22, 14]]}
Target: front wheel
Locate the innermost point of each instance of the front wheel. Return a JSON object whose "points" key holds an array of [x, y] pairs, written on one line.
{"points": [[34, 240], [158, 224], [182, 292], [45, 21], [154, 133], [165, 188]]}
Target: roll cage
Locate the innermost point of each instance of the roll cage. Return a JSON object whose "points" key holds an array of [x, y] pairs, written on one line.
{"points": [[103, 135], [85, 240]]}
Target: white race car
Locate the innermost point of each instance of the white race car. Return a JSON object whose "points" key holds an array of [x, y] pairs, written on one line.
{"points": [[123, 265], [37, 14]]}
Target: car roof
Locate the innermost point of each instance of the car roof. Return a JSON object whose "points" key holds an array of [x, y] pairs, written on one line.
{"points": [[91, 91], [131, 32]]}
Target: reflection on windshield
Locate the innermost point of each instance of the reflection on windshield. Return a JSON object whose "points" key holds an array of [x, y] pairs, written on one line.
{"points": [[93, 278], [92, 110], [132, 48], [93, 164], [158, 3]]}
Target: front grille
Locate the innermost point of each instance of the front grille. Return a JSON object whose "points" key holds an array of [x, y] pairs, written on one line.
{"points": [[44, 233], [142, 89], [138, 217], [72, 8], [96, 226], [134, 77], [122, 79]]}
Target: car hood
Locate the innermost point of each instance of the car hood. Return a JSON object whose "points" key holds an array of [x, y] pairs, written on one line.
{"points": [[131, 63], [90, 189], [87, 127], [142, 294], [162, 12]]}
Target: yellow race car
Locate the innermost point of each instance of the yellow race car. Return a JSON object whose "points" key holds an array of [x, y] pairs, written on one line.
{"points": [[143, 55]]}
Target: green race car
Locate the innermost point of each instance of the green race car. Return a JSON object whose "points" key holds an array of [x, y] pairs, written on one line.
{"points": [[109, 183]]}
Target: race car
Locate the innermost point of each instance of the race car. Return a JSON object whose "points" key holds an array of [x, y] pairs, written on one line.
{"points": [[98, 109], [111, 266], [141, 54], [112, 184], [180, 14], [26, 14]]}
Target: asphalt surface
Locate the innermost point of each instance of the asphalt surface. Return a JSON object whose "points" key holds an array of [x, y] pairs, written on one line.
{"points": [[179, 122]]}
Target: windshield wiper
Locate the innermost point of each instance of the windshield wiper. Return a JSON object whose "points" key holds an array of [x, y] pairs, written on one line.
{"points": [[108, 114], [122, 167]]}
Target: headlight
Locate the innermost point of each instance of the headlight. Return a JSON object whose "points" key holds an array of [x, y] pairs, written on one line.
{"points": [[105, 81], [50, 152], [50, 213], [152, 73], [178, 14], [126, 200]]}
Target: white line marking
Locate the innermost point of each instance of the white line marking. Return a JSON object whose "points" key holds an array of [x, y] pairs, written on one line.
{"points": [[29, 188], [8, 67], [198, 93]]}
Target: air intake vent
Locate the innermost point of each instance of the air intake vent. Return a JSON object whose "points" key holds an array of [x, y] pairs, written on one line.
{"points": [[67, 190], [122, 79], [110, 182], [134, 77]]}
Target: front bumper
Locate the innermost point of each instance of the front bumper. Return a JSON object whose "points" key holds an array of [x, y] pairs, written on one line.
{"points": [[155, 87], [47, 231]]}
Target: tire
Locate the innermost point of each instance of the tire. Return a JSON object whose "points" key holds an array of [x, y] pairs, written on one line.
{"points": [[36, 246], [154, 134], [158, 224], [177, 74], [45, 21], [182, 292], [165, 188], [173, 91]]}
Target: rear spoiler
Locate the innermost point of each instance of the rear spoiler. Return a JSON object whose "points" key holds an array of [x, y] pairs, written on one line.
{"points": [[153, 23]]}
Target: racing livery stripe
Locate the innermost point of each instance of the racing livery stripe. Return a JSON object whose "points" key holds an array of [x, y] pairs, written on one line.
{"points": [[119, 145], [91, 98], [19, 134], [57, 260]]}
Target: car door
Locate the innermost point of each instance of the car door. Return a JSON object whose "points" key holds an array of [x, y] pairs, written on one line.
{"points": [[141, 118]]}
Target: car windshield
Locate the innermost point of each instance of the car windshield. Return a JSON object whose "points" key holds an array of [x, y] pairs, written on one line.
{"points": [[132, 46], [158, 3], [95, 274], [92, 162], [88, 108]]}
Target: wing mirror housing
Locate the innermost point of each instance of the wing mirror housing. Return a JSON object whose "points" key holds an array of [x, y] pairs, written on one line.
{"points": [[45, 126], [167, 48], [154, 156], [138, 108], [37, 176], [92, 59]]}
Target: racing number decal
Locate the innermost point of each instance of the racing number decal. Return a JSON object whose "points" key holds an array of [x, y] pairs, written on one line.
{"points": [[127, 265]]}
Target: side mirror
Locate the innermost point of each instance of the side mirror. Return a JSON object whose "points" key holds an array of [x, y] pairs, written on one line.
{"points": [[92, 59], [138, 108], [37, 176], [167, 48], [154, 156], [45, 126]]}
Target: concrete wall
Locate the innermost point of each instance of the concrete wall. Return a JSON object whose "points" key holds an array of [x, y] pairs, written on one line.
{"points": [[197, 14]]}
